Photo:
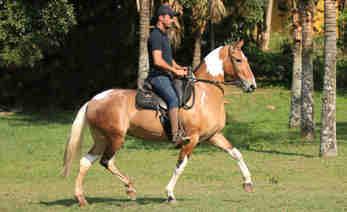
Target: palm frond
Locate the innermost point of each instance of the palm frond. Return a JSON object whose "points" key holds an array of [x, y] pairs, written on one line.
{"points": [[176, 31], [217, 11]]}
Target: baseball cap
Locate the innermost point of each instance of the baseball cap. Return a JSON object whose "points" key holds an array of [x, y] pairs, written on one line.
{"points": [[165, 9]]}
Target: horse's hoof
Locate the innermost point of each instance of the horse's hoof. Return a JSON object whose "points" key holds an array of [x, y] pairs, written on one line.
{"points": [[82, 202], [248, 187], [171, 200], [131, 194]]}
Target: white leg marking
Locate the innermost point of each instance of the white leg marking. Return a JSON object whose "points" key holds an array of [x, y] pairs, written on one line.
{"points": [[85, 163], [178, 171], [88, 160], [236, 154]]}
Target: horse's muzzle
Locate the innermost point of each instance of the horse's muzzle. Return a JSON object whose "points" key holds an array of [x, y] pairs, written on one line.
{"points": [[247, 86], [251, 88]]}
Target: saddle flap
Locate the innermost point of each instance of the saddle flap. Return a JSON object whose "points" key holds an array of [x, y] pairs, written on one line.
{"points": [[147, 99]]}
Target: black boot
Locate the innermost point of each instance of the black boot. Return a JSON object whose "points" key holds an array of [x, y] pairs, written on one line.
{"points": [[177, 135]]}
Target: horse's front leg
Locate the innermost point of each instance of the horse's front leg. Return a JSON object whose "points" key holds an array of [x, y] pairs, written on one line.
{"points": [[220, 141], [185, 153]]}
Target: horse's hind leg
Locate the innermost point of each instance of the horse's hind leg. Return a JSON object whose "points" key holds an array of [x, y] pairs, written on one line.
{"points": [[220, 141], [107, 160], [86, 162]]}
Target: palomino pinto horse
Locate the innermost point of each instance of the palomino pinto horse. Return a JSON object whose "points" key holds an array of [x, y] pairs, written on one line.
{"points": [[112, 114]]}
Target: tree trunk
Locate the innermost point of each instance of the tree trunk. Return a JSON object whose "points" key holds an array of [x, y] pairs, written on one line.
{"points": [[267, 27], [328, 145], [197, 50], [143, 65], [344, 29], [295, 109], [307, 106], [212, 37]]}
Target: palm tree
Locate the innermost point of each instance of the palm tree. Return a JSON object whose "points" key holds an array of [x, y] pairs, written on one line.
{"points": [[267, 26], [295, 109], [203, 10], [217, 12], [143, 6], [175, 33], [328, 145], [306, 9]]}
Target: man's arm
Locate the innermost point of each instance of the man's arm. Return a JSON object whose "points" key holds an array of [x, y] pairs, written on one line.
{"points": [[161, 63]]}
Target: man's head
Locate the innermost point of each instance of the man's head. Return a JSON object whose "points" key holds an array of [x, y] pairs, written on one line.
{"points": [[165, 15]]}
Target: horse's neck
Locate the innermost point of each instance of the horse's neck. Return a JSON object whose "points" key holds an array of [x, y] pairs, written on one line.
{"points": [[211, 67], [210, 90]]}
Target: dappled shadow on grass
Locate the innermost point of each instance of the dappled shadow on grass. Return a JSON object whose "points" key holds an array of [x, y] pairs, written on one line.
{"points": [[283, 153], [244, 136], [114, 201], [341, 130], [36, 118]]}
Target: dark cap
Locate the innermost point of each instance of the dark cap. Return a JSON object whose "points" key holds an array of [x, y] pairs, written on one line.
{"points": [[165, 9]]}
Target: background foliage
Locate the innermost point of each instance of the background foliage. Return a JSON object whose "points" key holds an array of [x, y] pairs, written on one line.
{"points": [[59, 53]]}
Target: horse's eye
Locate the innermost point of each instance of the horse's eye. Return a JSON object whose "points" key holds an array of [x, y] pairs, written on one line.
{"points": [[238, 60]]}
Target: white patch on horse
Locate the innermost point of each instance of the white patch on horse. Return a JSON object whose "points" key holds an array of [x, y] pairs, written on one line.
{"points": [[203, 95], [213, 63], [243, 56], [102, 95]]}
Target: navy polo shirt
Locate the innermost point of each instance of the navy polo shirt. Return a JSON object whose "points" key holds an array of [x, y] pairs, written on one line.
{"points": [[159, 40]]}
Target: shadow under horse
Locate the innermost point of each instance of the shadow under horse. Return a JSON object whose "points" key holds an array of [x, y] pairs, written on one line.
{"points": [[113, 114]]}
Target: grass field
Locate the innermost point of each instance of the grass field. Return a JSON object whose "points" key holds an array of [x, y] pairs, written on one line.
{"points": [[287, 172]]}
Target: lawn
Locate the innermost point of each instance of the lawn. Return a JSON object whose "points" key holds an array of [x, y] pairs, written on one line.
{"points": [[287, 172]]}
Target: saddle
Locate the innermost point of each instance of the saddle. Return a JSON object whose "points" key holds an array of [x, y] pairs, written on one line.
{"points": [[147, 99]]}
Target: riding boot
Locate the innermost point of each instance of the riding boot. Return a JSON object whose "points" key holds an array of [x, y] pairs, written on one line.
{"points": [[177, 136]]}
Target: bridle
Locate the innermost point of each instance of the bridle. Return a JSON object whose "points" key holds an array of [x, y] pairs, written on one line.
{"points": [[216, 83]]}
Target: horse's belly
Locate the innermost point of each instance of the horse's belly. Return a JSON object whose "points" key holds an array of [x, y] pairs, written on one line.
{"points": [[145, 124]]}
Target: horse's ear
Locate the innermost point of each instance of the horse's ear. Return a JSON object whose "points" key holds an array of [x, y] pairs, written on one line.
{"points": [[239, 44]]}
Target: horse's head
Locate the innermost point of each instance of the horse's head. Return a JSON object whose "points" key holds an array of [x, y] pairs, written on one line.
{"points": [[237, 68]]}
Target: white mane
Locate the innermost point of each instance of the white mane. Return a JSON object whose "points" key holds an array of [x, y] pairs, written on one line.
{"points": [[213, 63]]}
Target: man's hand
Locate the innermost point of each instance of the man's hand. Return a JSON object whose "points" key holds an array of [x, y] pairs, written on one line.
{"points": [[180, 72]]}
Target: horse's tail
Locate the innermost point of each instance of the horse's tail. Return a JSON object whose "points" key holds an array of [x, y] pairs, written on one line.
{"points": [[74, 142]]}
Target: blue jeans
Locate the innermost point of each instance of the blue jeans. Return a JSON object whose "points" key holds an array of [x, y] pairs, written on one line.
{"points": [[162, 85]]}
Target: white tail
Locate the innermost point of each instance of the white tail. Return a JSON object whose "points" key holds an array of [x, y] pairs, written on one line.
{"points": [[74, 142]]}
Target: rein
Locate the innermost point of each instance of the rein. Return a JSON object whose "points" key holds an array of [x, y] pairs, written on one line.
{"points": [[218, 84]]}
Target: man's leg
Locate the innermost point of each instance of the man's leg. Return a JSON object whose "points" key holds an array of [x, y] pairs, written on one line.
{"points": [[176, 134], [163, 87]]}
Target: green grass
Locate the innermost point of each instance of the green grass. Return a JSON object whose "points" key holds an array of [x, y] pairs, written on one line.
{"points": [[287, 172]]}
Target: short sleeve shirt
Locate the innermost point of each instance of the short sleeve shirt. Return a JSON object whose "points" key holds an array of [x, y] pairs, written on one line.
{"points": [[159, 40]]}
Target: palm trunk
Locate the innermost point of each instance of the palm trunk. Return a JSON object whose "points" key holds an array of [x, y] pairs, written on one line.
{"points": [[197, 50], [267, 27], [143, 65], [328, 145], [295, 109], [343, 27], [212, 37], [307, 106]]}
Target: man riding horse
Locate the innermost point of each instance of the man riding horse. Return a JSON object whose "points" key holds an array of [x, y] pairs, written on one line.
{"points": [[113, 114], [164, 68]]}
